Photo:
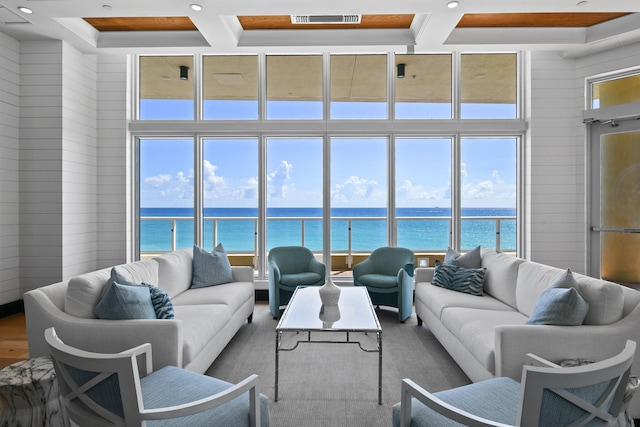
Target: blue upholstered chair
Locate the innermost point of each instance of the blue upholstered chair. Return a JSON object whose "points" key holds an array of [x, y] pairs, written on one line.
{"points": [[388, 275], [120, 390], [290, 267], [548, 395]]}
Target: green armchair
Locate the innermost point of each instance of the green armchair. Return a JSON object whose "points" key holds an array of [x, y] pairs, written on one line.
{"points": [[290, 267], [388, 275]]}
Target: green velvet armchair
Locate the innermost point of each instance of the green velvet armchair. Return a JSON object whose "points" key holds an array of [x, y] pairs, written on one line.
{"points": [[290, 267], [388, 275]]}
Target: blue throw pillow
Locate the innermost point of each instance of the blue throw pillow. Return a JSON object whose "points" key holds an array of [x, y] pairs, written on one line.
{"points": [[465, 280], [559, 306], [120, 302], [471, 259], [161, 302], [210, 268]]}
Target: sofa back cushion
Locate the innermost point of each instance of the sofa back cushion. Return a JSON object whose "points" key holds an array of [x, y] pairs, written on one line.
{"points": [[84, 291], [175, 271], [605, 299], [500, 277]]}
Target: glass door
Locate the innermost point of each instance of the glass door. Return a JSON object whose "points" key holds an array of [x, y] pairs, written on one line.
{"points": [[615, 201]]}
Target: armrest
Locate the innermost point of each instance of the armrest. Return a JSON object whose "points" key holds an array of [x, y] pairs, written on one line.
{"points": [[317, 267], [424, 274], [534, 360], [411, 389], [102, 336], [242, 273], [362, 268], [249, 384]]}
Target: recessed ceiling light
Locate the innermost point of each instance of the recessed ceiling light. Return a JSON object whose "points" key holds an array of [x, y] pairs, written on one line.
{"points": [[453, 4], [24, 9], [196, 7]]}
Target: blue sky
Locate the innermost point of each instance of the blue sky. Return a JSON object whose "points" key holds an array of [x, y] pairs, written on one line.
{"points": [[358, 172]]}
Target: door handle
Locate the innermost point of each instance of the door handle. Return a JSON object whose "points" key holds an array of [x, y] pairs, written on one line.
{"points": [[615, 230]]}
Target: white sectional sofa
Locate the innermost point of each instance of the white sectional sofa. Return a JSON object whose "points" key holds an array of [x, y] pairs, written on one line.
{"points": [[206, 318], [488, 336]]}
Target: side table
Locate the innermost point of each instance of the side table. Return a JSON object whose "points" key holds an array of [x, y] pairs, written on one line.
{"points": [[29, 395]]}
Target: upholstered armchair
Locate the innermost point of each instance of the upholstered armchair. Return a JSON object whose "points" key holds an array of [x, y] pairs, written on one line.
{"points": [[290, 267], [388, 275], [119, 389], [548, 395]]}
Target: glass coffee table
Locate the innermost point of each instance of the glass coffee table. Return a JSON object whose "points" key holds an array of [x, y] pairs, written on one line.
{"points": [[306, 314]]}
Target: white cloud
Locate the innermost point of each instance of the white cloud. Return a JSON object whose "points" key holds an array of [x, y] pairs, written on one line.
{"points": [[353, 189], [495, 176], [210, 176], [415, 195], [277, 180], [158, 180]]}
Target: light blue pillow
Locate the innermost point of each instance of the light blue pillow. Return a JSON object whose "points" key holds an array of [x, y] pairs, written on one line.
{"points": [[471, 259], [210, 268], [465, 280], [559, 306], [121, 302]]}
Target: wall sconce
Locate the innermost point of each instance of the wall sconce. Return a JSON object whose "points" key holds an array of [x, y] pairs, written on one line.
{"points": [[184, 72], [401, 68]]}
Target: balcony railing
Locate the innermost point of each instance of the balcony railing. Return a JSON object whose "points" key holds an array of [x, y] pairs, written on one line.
{"points": [[349, 235]]}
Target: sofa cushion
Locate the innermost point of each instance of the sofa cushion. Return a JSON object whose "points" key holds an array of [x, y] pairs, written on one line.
{"points": [[606, 300], [475, 329], [373, 280], [465, 280], [145, 270], [124, 301], [437, 299], [559, 306], [470, 259], [234, 295], [210, 268], [83, 293], [502, 273], [200, 324], [174, 271]]}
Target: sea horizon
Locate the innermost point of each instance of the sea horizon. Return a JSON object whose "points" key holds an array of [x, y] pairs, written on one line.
{"points": [[239, 235]]}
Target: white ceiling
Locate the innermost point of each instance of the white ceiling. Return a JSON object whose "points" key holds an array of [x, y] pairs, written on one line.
{"points": [[433, 29]]}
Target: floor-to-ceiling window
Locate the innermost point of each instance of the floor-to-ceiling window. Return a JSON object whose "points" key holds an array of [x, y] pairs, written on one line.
{"points": [[341, 153]]}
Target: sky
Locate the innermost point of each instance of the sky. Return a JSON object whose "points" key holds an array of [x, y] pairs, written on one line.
{"points": [[295, 168]]}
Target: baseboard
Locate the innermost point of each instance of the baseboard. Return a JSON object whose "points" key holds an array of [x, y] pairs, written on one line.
{"points": [[11, 308], [262, 295]]}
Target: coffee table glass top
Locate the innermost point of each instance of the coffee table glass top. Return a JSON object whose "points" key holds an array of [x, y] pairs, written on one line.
{"points": [[305, 312]]}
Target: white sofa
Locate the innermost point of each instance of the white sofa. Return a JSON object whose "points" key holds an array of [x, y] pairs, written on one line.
{"points": [[488, 336], [206, 319]]}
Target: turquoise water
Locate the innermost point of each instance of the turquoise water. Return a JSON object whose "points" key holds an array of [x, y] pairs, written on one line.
{"points": [[239, 235]]}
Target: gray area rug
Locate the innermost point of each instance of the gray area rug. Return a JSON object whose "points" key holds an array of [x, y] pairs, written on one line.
{"points": [[337, 384]]}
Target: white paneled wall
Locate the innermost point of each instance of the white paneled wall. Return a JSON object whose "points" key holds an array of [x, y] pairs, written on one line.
{"points": [[555, 195], [79, 162], [40, 163], [9, 173], [114, 165]]}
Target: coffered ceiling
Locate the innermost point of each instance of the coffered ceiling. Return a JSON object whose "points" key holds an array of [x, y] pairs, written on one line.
{"points": [[223, 26]]}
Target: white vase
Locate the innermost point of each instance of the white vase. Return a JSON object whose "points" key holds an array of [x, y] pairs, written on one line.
{"points": [[329, 293]]}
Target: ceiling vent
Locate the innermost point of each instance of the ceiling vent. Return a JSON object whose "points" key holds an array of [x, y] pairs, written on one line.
{"points": [[325, 19]]}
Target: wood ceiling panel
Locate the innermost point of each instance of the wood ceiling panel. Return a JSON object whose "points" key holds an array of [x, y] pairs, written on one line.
{"points": [[158, 23], [534, 20], [283, 22]]}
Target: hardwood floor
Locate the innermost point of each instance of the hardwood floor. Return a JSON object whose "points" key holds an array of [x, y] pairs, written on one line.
{"points": [[13, 339]]}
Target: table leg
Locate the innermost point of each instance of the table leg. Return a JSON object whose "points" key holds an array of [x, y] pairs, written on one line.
{"points": [[379, 368], [278, 337]]}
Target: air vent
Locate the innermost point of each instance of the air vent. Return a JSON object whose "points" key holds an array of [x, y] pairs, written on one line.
{"points": [[325, 19]]}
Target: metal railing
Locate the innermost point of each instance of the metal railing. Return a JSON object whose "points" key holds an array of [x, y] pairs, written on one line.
{"points": [[404, 227]]}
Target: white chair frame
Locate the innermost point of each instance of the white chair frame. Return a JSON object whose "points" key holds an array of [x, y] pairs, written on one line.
{"points": [[84, 411], [537, 377]]}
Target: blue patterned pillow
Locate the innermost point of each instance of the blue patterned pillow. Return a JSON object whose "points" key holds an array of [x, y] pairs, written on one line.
{"points": [[210, 268], [466, 280], [161, 302]]}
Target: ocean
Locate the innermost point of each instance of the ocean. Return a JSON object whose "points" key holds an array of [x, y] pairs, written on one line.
{"points": [[355, 229]]}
